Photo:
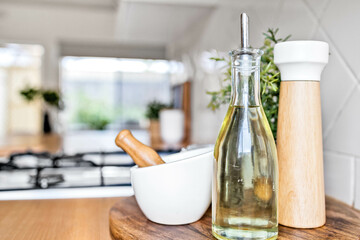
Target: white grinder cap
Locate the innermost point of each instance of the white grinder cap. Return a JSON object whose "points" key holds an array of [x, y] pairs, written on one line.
{"points": [[301, 60]]}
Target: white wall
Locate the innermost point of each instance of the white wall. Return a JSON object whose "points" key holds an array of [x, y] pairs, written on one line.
{"points": [[47, 25], [329, 20]]}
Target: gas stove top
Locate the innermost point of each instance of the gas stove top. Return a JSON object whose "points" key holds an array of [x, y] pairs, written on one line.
{"points": [[25, 171]]}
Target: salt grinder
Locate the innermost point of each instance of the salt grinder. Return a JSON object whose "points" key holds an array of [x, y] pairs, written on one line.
{"points": [[299, 134]]}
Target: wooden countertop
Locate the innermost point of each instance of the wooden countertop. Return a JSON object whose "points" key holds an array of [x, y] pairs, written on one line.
{"points": [[38, 143], [60, 219], [87, 141], [89, 219]]}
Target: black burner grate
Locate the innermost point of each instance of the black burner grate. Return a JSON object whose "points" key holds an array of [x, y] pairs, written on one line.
{"points": [[51, 170]]}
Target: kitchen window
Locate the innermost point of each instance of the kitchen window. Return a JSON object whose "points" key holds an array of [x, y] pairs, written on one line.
{"points": [[111, 93]]}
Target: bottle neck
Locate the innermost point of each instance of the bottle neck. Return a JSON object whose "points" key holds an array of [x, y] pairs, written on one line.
{"points": [[246, 83]]}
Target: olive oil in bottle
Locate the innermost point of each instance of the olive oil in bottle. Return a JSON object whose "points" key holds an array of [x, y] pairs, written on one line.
{"points": [[246, 176]]}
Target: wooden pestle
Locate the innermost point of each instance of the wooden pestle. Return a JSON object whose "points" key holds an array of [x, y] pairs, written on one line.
{"points": [[143, 156]]}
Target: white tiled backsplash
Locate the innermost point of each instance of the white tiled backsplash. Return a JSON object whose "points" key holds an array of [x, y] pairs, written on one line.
{"points": [[333, 21], [357, 183], [339, 172]]}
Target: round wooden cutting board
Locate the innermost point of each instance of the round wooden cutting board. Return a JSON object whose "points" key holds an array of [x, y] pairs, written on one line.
{"points": [[128, 222]]}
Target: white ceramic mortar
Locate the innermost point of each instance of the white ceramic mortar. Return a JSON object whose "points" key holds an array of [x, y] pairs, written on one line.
{"points": [[177, 192]]}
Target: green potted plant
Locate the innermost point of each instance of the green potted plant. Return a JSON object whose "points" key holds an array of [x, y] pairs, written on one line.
{"points": [[50, 98], [152, 113], [95, 117], [92, 113], [269, 81]]}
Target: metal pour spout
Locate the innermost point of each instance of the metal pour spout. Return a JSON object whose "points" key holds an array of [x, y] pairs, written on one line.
{"points": [[244, 30]]}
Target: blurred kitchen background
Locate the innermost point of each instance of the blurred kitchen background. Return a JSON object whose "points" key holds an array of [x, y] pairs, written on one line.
{"points": [[108, 60]]}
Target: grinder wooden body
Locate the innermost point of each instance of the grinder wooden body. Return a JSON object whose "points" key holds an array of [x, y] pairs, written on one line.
{"points": [[300, 154], [299, 133]]}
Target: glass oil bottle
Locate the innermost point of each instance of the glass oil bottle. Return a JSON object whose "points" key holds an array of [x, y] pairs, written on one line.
{"points": [[245, 183]]}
